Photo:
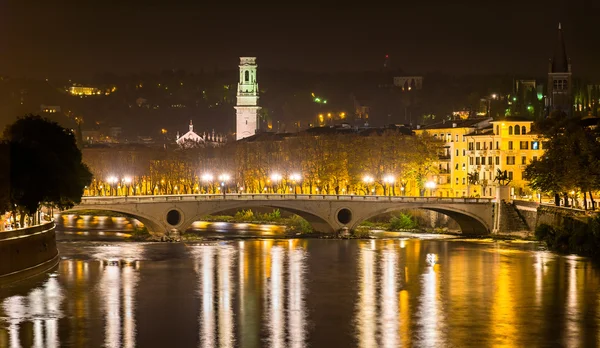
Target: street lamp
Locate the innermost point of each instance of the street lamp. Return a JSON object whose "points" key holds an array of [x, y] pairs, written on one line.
{"points": [[224, 178], [390, 180], [296, 179], [368, 180], [112, 180], [207, 178], [127, 181], [275, 178], [431, 186]]}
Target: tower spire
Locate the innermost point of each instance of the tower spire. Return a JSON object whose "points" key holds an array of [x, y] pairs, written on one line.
{"points": [[560, 62], [191, 126]]}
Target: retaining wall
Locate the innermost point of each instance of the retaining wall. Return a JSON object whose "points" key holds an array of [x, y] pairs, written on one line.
{"points": [[28, 251]]}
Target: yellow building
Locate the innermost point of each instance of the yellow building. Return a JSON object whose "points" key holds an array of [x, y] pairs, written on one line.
{"points": [[508, 144], [451, 177], [482, 146]]}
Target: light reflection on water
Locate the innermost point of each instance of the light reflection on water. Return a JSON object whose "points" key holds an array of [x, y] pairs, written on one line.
{"points": [[298, 293]]}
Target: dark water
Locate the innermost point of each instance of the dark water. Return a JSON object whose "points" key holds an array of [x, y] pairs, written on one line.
{"points": [[298, 293]]}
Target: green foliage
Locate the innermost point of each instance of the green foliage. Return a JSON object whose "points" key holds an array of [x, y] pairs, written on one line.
{"points": [[544, 232], [297, 224], [140, 233], [361, 233], [571, 143], [45, 165], [574, 236], [244, 216], [4, 178], [402, 222]]}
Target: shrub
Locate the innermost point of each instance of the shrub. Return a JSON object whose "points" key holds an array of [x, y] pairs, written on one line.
{"points": [[360, 233], [244, 215], [402, 222], [544, 232], [298, 224]]}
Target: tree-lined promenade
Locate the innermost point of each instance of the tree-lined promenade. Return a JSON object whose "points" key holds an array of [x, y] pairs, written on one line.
{"points": [[324, 161]]}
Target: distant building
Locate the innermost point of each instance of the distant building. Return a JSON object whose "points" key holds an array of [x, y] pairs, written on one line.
{"points": [[560, 82], [86, 91], [192, 139], [91, 137], [115, 132], [361, 112], [49, 109], [409, 83]]}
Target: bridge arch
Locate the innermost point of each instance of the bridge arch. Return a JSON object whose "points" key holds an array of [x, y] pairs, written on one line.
{"points": [[470, 224], [152, 224], [317, 222]]}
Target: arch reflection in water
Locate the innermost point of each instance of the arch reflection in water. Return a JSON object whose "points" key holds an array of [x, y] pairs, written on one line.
{"points": [[280, 285], [41, 307]]}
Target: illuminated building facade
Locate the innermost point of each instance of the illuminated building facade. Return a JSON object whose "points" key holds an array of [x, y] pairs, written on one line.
{"points": [[507, 145], [87, 91], [483, 146], [451, 179], [247, 99], [192, 139]]}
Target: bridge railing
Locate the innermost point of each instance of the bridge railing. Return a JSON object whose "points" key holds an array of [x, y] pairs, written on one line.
{"points": [[267, 197]]}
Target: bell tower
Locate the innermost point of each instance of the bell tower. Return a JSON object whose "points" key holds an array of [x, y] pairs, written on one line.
{"points": [[560, 87], [247, 99]]}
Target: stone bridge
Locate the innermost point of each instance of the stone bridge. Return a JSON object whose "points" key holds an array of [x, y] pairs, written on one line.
{"points": [[326, 213]]}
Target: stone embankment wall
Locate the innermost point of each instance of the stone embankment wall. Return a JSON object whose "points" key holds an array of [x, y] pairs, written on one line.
{"points": [[535, 214], [26, 252]]}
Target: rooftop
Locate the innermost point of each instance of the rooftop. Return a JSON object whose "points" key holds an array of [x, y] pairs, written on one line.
{"points": [[468, 123]]}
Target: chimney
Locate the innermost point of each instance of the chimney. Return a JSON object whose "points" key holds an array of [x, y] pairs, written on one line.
{"points": [[453, 125], [418, 126]]}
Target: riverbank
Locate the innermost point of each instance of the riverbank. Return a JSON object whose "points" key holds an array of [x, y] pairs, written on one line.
{"points": [[27, 252], [573, 235]]}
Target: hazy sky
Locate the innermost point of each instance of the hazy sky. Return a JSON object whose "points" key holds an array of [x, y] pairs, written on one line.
{"points": [[79, 38]]}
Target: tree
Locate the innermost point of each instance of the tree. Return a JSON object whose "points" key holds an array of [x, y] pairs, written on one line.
{"points": [[4, 178], [570, 162], [45, 165]]}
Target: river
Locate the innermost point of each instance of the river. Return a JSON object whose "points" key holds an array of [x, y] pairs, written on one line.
{"points": [[305, 292]]}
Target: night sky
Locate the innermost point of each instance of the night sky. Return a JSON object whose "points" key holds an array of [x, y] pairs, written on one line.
{"points": [[80, 38]]}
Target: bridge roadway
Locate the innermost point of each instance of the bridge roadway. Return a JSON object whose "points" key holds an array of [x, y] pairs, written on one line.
{"points": [[326, 213]]}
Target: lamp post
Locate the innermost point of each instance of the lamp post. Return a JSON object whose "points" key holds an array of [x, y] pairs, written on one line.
{"points": [[112, 180], [431, 186], [224, 179], [296, 179], [127, 184], [207, 179], [275, 179], [368, 180], [389, 180]]}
